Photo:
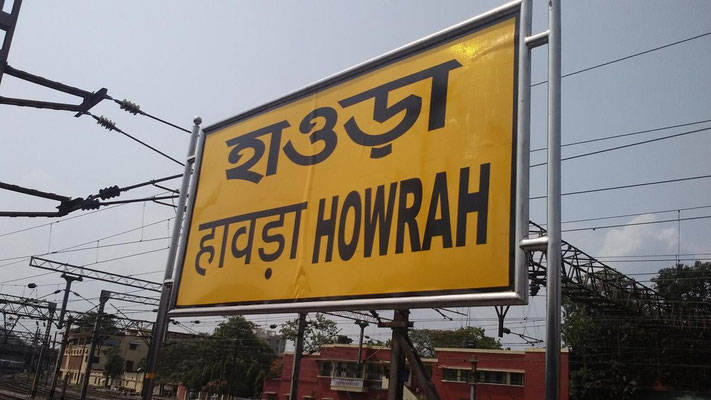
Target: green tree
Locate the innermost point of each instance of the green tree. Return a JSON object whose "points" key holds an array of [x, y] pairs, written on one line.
{"points": [[232, 360], [319, 331], [85, 323], [426, 340], [113, 367], [614, 356]]}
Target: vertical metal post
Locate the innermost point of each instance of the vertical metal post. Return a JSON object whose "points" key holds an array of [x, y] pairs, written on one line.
{"points": [[397, 356], [362, 325], [105, 294], [553, 257], [69, 279], [64, 386], [58, 365], [298, 350], [161, 323], [232, 370], [523, 144], [45, 343], [34, 350], [472, 379], [7, 24]]}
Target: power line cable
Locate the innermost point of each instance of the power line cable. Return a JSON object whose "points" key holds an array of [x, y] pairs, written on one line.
{"points": [[85, 243], [128, 256], [653, 255], [134, 109], [57, 222], [633, 214], [627, 186], [626, 146], [626, 134], [592, 228], [111, 126], [626, 57], [144, 199]]}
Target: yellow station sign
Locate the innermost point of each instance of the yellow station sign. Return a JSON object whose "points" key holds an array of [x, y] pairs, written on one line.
{"points": [[393, 181]]}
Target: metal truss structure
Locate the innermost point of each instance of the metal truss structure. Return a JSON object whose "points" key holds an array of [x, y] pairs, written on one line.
{"points": [[124, 324], [589, 281], [372, 318], [132, 298], [95, 274], [27, 308], [26, 337]]}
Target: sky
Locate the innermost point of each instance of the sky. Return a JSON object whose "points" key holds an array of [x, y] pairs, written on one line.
{"points": [[179, 59]]}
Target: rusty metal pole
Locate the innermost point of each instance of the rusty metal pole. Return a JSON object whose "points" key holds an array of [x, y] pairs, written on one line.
{"points": [[58, 365], [105, 294], [397, 356], [45, 343], [298, 350]]}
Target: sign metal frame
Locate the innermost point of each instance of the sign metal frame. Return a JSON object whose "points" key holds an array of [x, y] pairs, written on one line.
{"points": [[516, 293]]}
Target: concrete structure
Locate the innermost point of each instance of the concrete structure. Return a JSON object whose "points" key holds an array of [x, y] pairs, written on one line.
{"points": [[275, 341], [333, 374], [133, 349]]}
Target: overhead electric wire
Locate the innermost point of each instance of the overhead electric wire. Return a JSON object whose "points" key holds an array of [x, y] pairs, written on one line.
{"points": [[654, 255], [106, 123], [57, 222], [152, 182], [134, 109], [127, 256], [592, 228], [626, 134], [656, 260], [633, 214], [153, 198], [95, 240], [626, 186], [88, 248], [26, 277], [626, 57], [122, 189], [625, 146]]}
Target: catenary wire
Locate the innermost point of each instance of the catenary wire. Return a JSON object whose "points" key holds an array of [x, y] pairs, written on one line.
{"points": [[626, 57], [112, 127], [624, 146], [627, 186], [593, 228], [626, 134], [134, 109]]}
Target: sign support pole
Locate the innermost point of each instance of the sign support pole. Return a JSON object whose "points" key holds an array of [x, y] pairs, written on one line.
{"points": [[94, 338], [161, 324], [298, 351], [362, 325], [67, 288], [60, 356], [397, 356], [42, 355], [553, 256]]}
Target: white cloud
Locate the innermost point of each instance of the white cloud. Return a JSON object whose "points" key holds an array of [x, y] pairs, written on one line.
{"points": [[639, 240]]}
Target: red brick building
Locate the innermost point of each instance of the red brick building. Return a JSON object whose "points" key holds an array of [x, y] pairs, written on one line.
{"points": [[333, 374]]}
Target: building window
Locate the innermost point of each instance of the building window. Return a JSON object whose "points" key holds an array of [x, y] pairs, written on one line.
{"points": [[455, 375], [129, 365], [325, 368], [132, 345], [346, 370], [516, 378], [497, 377], [500, 377], [376, 372]]}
